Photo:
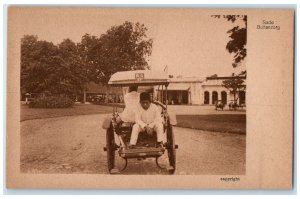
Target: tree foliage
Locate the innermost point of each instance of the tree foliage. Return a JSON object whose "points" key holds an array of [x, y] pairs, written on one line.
{"points": [[38, 61], [66, 68], [121, 48], [238, 38], [234, 85], [88, 50], [49, 68], [73, 75]]}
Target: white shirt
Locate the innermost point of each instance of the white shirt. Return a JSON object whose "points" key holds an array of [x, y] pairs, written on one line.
{"points": [[132, 101], [148, 117]]}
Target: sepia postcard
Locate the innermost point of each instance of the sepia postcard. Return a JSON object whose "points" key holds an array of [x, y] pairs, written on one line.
{"points": [[149, 98]]}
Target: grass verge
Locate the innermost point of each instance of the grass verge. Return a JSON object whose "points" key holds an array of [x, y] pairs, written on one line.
{"points": [[235, 123], [78, 109]]}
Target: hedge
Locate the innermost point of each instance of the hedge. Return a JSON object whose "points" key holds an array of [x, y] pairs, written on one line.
{"points": [[52, 102]]}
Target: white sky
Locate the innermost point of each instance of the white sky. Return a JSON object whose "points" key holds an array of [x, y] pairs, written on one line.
{"points": [[190, 42]]}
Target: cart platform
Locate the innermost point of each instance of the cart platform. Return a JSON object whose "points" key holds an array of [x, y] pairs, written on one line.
{"points": [[141, 152]]}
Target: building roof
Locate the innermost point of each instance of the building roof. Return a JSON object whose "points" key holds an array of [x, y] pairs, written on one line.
{"points": [[218, 81], [223, 78], [139, 78], [185, 79]]}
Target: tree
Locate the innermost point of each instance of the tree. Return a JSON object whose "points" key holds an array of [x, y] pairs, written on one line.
{"points": [[235, 84], [238, 38], [64, 69], [88, 53], [47, 68], [37, 60], [73, 74], [121, 48]]}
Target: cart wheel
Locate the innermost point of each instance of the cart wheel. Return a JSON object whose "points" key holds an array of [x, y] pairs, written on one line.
{"points": [[171, 147], [110, 149]]}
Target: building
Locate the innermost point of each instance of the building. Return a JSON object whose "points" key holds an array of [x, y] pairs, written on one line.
{"points": [[196, 91], [212, 89], [181, 91]]}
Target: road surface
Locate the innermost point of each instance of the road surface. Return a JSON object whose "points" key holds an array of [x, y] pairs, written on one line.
{"points": [[75, 145]]}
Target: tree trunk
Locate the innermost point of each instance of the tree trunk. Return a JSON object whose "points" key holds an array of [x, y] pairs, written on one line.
{"points": [[84, 97]]}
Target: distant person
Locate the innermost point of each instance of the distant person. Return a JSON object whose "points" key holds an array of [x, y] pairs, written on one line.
{"points": [[147, 119], [131, 101]]}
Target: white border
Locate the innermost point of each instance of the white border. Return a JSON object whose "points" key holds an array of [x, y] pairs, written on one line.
{"points": [[136, 3]]}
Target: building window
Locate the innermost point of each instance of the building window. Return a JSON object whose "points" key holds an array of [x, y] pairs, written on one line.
{"points": [[214, 97], [224, 97], [206, 97]]}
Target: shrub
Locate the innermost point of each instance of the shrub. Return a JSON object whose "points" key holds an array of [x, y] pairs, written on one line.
{"points": [[52, 102]]}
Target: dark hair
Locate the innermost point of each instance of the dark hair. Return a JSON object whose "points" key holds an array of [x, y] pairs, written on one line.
{"points": [[145, 96]]}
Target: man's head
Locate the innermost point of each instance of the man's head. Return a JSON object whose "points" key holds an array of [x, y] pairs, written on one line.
{"points": [[145, 100], [133, 88]]}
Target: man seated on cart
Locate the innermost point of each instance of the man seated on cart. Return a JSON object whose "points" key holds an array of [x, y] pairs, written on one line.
{"points": [[147, 119]]}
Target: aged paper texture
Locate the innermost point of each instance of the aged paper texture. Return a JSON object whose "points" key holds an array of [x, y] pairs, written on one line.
{"points": [[266, 142]]}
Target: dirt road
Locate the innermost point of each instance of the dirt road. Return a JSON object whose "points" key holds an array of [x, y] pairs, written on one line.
{"points": [[75, 145]]}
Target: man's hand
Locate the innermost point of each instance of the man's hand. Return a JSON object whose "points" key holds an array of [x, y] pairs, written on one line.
{"points": [[149, 130]]}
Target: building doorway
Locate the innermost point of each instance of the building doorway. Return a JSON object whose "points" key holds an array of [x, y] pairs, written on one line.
{"points": [[184, 98], [206, 97], [224, 97], [242, 97], [214, 97], [176, 97]]}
